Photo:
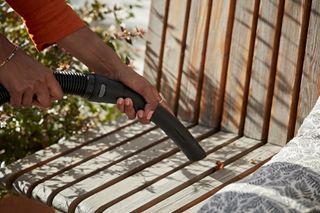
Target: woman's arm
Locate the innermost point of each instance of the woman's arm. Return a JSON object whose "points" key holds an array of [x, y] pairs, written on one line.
{"points": [[53, 21], [28, 81], [86, 46]]}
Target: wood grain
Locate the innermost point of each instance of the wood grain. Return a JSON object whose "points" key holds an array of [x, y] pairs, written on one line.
{"points": [[194, 57], [53, 152], [263, 69], [101, 170], [117, 192], [155, 40], [309, 90], [221, 22], [81, 155], [239, 63], [201, 188], [169, 185], [173, 49], [286, 71]]}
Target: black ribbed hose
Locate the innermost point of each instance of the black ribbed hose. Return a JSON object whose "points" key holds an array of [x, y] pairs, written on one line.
{"points": [[101, 89]]}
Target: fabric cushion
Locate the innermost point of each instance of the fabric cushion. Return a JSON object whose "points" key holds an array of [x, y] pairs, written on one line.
{"points": [[289, 182]]}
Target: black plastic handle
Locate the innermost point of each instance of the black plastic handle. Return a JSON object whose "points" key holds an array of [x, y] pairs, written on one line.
{"points": [[101, 89]]}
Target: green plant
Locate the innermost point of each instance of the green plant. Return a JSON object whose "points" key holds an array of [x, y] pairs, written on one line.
{"points": [[26, 130]]}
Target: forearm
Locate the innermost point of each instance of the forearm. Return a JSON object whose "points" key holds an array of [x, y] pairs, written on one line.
{"points": [[87, 47]]}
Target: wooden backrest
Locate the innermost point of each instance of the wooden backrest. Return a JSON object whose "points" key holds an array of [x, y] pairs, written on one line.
{"points": [[246, 66]]}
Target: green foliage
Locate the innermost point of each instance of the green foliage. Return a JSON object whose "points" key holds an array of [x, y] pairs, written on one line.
{"points": [[26, 130]]}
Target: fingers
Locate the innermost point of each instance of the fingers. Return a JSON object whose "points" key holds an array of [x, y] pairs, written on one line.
{"points": [[27, 98], [15, 99], [129, 109], [43, 96], [54, 87], [120, 104], [126, 106], [146, 115]]}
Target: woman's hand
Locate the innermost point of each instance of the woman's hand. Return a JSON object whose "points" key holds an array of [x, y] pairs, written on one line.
{"points": [[144, 88], [103, 60], [29, 82]]}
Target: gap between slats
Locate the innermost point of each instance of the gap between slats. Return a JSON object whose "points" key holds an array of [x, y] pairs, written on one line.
{"points": [[34, 184], [144, 185], [240, 65], [299, 70], [273, 70], [96, 171], [187, 181], [193, 180], [76, 201], [225, 63], [249, 66], [181, 57], [195, 195], [163, 40], [215, 190], [263, 69], [11, 178]]}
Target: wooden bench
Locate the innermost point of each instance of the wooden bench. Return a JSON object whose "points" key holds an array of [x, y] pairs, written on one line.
{"points": [[241, 74]]}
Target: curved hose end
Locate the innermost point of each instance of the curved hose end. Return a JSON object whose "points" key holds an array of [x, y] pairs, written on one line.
{"points": [[178, 133], [200, 156]]}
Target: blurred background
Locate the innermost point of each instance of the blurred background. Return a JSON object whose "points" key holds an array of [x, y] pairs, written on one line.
{"points": [[140, 18]]}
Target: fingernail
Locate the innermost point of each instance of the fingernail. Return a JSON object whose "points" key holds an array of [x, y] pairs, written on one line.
{"points": [[127, 102], [120, 101], [140, 114], [149, 115]]}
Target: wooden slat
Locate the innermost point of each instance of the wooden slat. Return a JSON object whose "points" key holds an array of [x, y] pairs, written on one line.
{"points": [[107, 150], [219, 37], [64, 146], [261, 155], [263, 69], [107, 197], [107, 173], [194, 57], [311, 66], [286, 71], [199, 189], [155, 40], [182, 178], [85, 154], [241, 52], [173, 49]]}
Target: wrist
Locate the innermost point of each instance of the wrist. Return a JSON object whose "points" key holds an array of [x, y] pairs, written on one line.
{"points": [[9, 57], [6, 47]]}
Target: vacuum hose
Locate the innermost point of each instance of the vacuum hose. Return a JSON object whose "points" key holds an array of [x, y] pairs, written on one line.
{"points": [[101, 89]]}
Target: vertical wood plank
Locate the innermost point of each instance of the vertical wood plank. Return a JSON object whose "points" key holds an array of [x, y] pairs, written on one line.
{"points": [[242, 46], [221, 23], [311, 67], [263, 68], [173, 49], [286, 71], [194, 56], [155, 40]]}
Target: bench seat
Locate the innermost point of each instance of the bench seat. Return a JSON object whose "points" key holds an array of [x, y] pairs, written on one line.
{"points": [[135, 167]]}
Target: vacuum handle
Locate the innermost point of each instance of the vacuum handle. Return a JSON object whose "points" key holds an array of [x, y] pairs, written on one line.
{"points": [[108, 91], [101, 89]]}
